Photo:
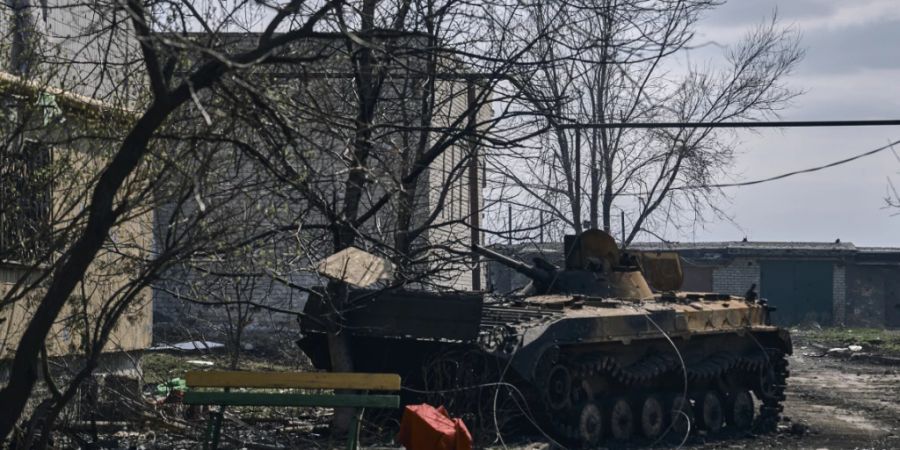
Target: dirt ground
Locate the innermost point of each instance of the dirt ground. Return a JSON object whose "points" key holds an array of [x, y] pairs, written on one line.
{"points": [[836, 400], [833, 403]]}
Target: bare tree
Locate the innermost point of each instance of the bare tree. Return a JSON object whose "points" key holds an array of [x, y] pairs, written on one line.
{"points": [[892, 199], [112, 194], [621, 62], [339, 124], [375, 145]]}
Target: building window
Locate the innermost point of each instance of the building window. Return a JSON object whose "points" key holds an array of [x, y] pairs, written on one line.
{"points": [[24, 201]]}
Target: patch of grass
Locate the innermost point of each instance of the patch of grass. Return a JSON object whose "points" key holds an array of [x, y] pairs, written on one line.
{"points": [[871, 339], [161, 367]]}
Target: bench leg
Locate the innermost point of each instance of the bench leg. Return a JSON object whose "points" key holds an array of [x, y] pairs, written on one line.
{"points": [[213, 428], [353, 439]]}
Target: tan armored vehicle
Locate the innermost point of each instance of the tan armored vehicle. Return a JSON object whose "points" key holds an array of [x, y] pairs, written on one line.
{"points": [[600, 356]]}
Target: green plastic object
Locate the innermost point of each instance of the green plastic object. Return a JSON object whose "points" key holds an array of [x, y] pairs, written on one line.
{"points": [[175, 384]]}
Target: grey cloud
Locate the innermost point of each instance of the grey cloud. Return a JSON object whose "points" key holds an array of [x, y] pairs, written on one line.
{"points": [[750, 12], [873, 46]]}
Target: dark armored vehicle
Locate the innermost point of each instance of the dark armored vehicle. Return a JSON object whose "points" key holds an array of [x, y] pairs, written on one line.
{"points": [[594, 352]]}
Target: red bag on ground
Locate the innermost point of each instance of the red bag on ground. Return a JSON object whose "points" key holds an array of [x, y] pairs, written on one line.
{"points": [[425, 427]]}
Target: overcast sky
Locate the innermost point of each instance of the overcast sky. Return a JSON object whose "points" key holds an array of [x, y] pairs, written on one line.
{"points": [[851, 71]]}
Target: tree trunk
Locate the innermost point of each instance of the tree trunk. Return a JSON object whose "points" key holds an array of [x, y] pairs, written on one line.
{"points": [[367, 90], [340, 355]]}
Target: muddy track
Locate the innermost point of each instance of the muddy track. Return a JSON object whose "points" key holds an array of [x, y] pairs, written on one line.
{"points": [[834, 404], [846, 404]]}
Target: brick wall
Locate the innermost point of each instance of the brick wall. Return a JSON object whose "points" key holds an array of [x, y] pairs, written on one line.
{"points": [[839, 285], [736, 277]]}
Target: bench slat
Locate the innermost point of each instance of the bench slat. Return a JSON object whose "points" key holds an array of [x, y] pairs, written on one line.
{"points": [[295, 380], [269, 399]]}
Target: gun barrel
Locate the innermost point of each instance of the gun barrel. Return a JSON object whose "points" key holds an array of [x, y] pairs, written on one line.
{"points": [[534, 273]]}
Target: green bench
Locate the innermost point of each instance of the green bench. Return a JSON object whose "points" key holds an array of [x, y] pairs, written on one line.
{"points": [[218, 388]]}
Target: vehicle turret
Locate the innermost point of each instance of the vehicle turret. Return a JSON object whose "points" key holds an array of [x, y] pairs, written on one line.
{"points": [[594, 267]]}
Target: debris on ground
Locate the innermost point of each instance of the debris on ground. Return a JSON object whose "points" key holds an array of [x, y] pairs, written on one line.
{"points": [[853, 340], [188, 346], [200, 362], [832, 402]]}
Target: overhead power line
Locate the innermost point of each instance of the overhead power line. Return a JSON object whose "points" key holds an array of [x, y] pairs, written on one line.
{"points": [[749, 124], [796, 172]]}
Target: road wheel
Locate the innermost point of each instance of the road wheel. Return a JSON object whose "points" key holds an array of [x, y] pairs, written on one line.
{"points": [[558, 388], [710, 412], [682, 416], [590, 424], [621, 419], [740, 410], [653, 417]]}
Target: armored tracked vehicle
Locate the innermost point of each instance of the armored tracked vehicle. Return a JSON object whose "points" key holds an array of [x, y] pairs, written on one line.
{"points": [[597, 355]]}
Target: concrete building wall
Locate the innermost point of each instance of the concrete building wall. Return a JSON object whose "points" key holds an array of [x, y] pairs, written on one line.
{"points": [[81, 66], [178, 318], [81, 48], [91, 51], [74, 167]]}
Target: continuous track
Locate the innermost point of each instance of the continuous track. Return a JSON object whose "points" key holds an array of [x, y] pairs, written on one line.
{"points": [[594, 399]]}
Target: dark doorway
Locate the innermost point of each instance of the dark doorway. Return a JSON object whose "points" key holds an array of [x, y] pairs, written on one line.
{"points": [[801, 290]]}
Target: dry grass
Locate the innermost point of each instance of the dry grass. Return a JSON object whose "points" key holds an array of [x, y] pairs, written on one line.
{"points": [[871, 339]]}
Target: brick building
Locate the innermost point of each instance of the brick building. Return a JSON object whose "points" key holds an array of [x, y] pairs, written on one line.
{"points": [[833, 283]]}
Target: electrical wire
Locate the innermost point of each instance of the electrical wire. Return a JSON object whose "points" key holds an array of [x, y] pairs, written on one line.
{"points": [[497, 392], [746, 124], [530, 417], [511, 387], [684, 373], [527, 413], [790, 174]]}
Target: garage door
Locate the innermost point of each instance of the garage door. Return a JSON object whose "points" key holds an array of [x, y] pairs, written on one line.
{"points": [[801, 290]]}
